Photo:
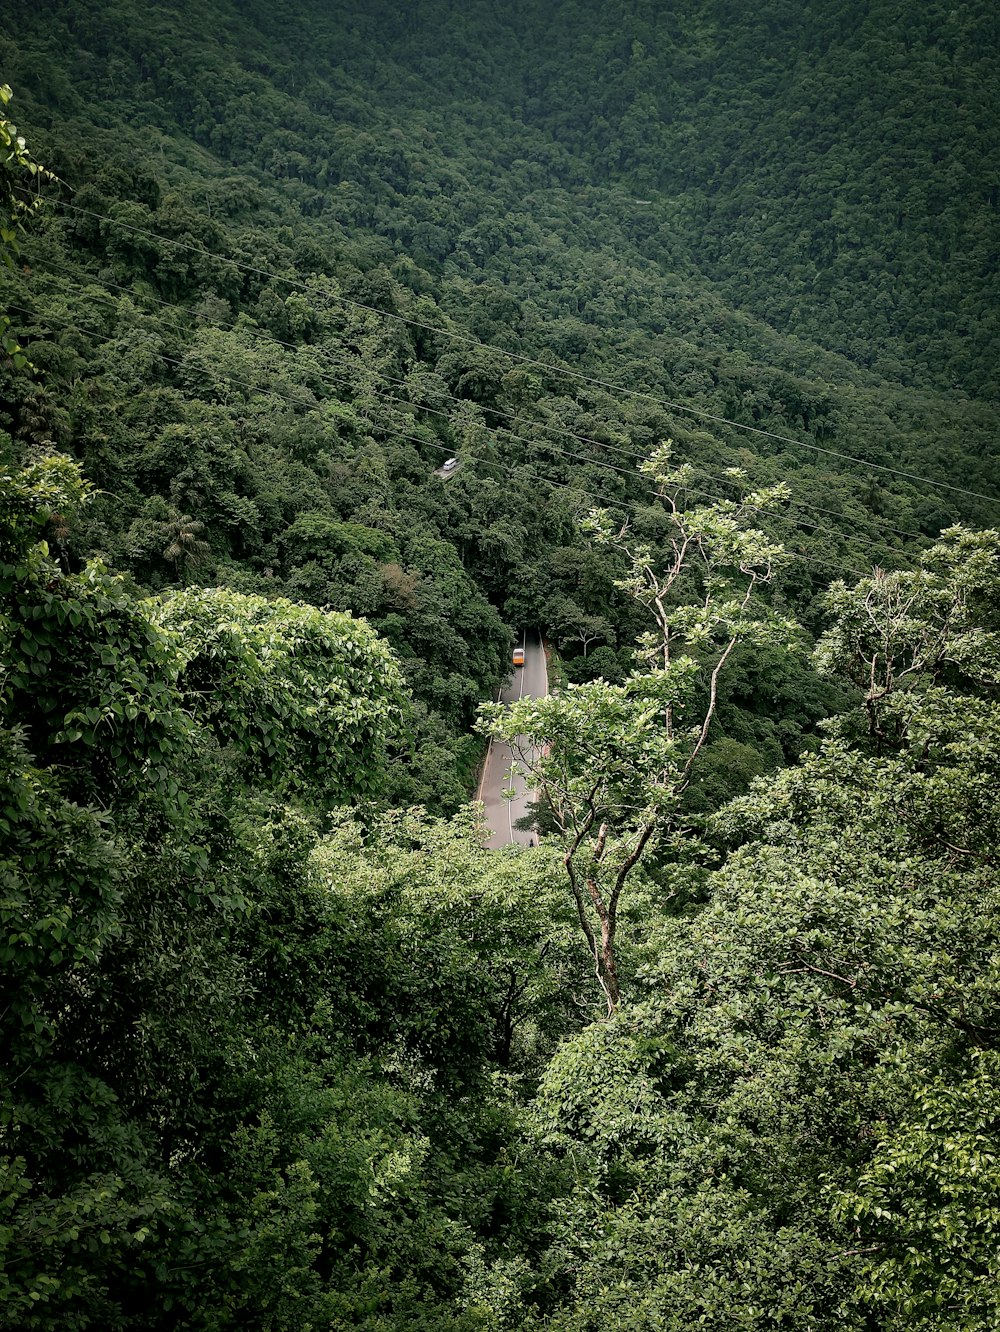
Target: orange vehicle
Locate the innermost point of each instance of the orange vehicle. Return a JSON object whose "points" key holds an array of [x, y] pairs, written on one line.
{"points": [[518, 656]]}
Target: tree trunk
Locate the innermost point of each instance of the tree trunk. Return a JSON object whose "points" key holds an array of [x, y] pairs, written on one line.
{"points": [[607, 969]]}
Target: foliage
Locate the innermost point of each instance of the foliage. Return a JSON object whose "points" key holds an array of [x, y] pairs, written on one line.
{"points": [[18, 170], [21, 181], [169, 1127], [489, 925], [899, 635], [928, 1204], [282, 1050], [793, 1127], [612, 763], [307, 698]]}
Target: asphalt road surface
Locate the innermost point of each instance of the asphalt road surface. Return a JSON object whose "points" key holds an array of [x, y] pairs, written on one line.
{"points": [[527, 681]]}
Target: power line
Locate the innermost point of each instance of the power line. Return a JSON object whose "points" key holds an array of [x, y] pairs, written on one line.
{"points": [[700, 413], [575, 490], [634, 458], [531, 443], [779, 516]]}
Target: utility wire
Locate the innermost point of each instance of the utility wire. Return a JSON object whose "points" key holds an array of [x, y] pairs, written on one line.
{"points": [[509, 469], [636, 459], [586, 459], [780, 515], [700, 413]]}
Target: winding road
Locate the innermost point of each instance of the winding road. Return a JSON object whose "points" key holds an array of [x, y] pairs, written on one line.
{"points": [[527, 681]]}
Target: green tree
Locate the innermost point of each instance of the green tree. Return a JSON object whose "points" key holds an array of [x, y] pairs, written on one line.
{"points": [[898, 636], [102, 879], [611, 763], [794, 1127], [306, 699], [185, 549], [926, 1208], [21, 181], [138, 1159]]}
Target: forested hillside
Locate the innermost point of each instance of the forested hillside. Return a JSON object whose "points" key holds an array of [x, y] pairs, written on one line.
{"points": [[703, 300]]}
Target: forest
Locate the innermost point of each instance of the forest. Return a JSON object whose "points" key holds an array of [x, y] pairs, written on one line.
{"points": [[705, 303]]}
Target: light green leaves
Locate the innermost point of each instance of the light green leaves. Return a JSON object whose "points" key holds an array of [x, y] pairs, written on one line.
{"points": [[927, 1207], [20, 179], [612, 763], [308, 698]]}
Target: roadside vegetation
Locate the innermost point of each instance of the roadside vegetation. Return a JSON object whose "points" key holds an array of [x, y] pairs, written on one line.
{"points": [[704, 305]]}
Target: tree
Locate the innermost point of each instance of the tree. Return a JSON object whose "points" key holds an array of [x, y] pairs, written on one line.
{"points": [[611, 763], [188, 1132], [185, 548], [797, 1125], [108, 923], [926, 1208], [21, 181], [488, 931], [304, 700], [568, 623], [898, 635]]}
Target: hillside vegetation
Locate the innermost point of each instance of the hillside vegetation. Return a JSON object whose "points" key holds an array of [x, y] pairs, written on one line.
{"points": [[704, 302]]}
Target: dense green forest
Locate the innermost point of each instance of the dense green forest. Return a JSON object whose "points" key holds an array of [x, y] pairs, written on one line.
{"points": [[704, 301]]}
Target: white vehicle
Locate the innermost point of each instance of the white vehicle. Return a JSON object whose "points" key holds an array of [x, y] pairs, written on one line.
{"points": [[451, 464]]}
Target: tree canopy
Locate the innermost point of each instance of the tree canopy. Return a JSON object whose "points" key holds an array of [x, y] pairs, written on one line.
{"points": [[286, 1046]]}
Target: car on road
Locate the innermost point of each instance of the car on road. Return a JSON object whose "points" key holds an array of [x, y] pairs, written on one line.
{"points": [[451, 464], [518, 657]]}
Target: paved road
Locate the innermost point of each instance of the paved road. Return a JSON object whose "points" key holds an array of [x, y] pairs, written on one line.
{"points": [[527, 681]]}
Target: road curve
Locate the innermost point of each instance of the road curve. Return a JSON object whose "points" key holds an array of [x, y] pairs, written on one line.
{"points": [[528, 681]]}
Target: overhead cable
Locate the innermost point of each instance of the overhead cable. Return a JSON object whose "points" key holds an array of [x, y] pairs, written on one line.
{"points": [[608, 385]]}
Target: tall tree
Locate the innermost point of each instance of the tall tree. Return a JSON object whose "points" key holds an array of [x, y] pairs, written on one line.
{"points": [[611, 763], [21, 181]]}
